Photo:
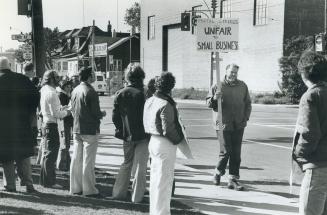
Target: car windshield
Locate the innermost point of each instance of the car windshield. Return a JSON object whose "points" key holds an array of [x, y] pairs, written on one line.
{"points": [[99, 78]]}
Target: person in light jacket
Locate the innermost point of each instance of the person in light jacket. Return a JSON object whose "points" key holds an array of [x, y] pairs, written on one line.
{"points": [[310, 141], [161, 120], [236, 110]]}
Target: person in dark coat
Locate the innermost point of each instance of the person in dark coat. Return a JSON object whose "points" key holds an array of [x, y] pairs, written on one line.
{"points": [[19, 100], [64, 91]]}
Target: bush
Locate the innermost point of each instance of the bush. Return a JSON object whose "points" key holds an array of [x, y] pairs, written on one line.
{"points": [[270, 98], [292, 85], [190, 93]]}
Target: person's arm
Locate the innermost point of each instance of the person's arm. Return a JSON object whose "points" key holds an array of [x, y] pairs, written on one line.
{"points": [[116, 117], [54, 107], [169, 127], [248, 106], [93, 98], [308, 127]]}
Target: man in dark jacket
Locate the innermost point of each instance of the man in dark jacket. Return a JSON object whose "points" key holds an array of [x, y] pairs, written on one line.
{"points": [[236, 110], [86, 111], [310, 142], [19, 100], [128, 119]]}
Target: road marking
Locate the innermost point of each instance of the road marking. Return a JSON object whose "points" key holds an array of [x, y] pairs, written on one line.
{"points": [[275, 125], [198, 125], [268, 144]]}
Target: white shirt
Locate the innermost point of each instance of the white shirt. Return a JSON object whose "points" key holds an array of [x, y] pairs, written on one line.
{"points": [[50, 105]]}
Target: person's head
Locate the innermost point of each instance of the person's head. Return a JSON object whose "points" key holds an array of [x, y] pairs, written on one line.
{"points": [[87, 75], [151, 85], [28, 70], [75, 81], [312, 67], [65, 84], [50, 77], [134, 74], [165, 82], [4, 64], [232, 72]]}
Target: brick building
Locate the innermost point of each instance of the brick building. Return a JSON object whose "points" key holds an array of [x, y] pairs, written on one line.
{"points": [[264, 26]]}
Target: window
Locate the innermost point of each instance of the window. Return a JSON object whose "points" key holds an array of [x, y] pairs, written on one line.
{"points": [[99, 78], [226, 8], [151, 28], [65, 65], [260, 12], [59, 66]]}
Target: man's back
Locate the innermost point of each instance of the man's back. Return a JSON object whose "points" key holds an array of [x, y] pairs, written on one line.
{"points": [[86, 110]]}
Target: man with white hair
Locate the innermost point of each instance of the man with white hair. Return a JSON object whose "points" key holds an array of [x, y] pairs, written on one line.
{"points": [[19, 100], [236, 110]]}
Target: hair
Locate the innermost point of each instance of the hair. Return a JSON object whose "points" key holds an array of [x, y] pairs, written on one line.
{"points": [[85, 73], [28, 67], [313, 66], [233, 65], [48, 76], [134, 74], [165, 82], [35, 81]]}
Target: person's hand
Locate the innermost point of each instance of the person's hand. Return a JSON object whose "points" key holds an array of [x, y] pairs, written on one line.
{"points": [[68, 113], [104, 113]]}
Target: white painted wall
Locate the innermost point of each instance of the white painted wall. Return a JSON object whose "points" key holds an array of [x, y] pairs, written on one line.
{"points": [[260, 46]]}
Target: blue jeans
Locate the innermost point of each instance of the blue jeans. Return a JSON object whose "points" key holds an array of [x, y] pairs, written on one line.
{"points": [[230, 151], [313, 194]]}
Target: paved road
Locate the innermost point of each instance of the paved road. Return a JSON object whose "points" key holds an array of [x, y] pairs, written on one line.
{"points": [[265, 161]]}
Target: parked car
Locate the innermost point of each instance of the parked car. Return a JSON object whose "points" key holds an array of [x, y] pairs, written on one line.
{"points": [[100, 84]]}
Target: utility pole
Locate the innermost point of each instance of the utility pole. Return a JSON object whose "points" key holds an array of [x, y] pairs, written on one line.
{"points": [[213, 6], [38, 37], [325, 20]]}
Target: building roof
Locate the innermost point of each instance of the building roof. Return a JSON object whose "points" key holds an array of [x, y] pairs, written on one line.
{"points": [[120, 42]]}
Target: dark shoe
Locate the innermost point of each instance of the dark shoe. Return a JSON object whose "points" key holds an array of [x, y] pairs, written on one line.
{"points": [[79, 193], [216, 179], [7, 189], [235, 185], [30, 189], [97, 196]]}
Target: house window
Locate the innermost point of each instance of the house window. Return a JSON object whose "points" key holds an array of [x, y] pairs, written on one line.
{"points": [[260, 12], [151, 28], [65, 66], [226, 8], [59, 66]]}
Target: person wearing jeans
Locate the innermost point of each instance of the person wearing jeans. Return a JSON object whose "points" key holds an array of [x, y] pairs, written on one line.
{"points": [[310, 140], [236, 110], [85, 108], [51, 112]]}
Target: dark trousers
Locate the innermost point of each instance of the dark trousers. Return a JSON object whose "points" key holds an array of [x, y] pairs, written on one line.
{"points": [[231, 151], [51, 147]]}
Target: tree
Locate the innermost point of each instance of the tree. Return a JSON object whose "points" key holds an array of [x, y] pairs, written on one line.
{"points": [[133, 17], [292, 84], [51, 43], [19, 55]]}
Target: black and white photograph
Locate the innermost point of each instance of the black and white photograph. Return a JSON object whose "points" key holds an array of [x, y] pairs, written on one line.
{"points": [[160, 107]]}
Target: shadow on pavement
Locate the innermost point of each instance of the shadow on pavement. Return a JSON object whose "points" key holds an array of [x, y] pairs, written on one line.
{"points": [[224, 206], [273, 140], [19, 210]]}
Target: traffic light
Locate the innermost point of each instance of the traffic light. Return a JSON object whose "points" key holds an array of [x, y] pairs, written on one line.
{"points": [[185, 21], [214, 4]]}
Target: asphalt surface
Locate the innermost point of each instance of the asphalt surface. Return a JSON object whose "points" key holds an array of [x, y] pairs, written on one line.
{"points": [[266, 146]]}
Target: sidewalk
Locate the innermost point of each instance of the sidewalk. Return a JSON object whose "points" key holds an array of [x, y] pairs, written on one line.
{"points": [[195, 189]]}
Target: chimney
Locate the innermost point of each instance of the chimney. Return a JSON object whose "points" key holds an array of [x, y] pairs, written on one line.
{"points": [[109, 29]]}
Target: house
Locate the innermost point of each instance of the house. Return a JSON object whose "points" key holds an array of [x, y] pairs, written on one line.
{"points": [[263, 28]]}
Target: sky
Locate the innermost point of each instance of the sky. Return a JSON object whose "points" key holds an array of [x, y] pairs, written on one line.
{"points": [[64, 14]]}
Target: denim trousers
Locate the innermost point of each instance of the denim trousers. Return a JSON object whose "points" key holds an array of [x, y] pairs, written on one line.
{"points": [[82, 174], [230, 151], [135, 153], [50, 153], [313, 193]]}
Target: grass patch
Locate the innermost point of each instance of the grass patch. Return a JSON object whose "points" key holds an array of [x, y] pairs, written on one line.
{"points": [[59, 201], [270, 98], [190, 93]]}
